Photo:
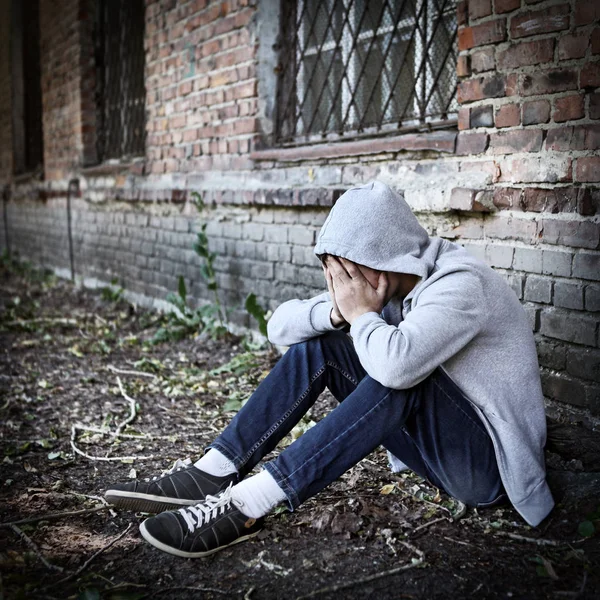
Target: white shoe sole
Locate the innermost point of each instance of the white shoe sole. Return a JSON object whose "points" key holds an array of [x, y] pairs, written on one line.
{"points": [[145, 502], [158, 544]]}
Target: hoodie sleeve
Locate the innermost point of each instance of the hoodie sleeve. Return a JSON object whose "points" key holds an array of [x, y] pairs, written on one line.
{"points": [[296, 321], [445, 317]]}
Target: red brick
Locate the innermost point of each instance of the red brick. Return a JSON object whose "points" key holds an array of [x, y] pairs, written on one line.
{"points": [[463, 67], [482, 116], [506, 197], [588, 202], [464, 119], [177, 122], [483, 60], [489, 32], [559, 139], [511, 84], [582, 137], [568, 108], [553, 18], [462, 13], [588, 169], [185, 88], [502, 6], [471, 143], [549, 200], [573, 45], [549, 82], [508, 115], [586, 12], [526, 53], [481, 87], [537, 111], [518, 140], [479, 8], [590, 75], [248, 125], [594, 105]]}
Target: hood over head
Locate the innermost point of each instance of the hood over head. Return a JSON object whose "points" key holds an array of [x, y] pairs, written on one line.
{"points": [[373, 226]]}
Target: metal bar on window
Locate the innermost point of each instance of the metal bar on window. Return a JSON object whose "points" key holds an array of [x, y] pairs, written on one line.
{"points": [[121, 90], [362, 71]]}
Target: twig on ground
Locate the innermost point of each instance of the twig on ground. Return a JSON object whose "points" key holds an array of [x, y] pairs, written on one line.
{"points": [[428, 524], [538, 541], [343, 586], [39, 320], [76, 427], [114, 434], [51, 516], [187, 587], [178, 414], [132, 410], [457, 541], [34, 547], [249, 593], [131, 372], [85, 565]]}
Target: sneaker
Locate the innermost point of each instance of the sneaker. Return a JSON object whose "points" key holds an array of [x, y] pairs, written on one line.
{"points": [[181, 485], [203, 529]]}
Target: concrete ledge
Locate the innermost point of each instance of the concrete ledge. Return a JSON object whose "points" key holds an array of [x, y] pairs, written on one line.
{"points": [[438, 141]]}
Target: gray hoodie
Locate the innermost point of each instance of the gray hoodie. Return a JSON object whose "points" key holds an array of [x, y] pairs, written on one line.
{"points": [[461, 316]]}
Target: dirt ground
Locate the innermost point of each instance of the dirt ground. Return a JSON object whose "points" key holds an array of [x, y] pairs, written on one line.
{"points": [[86, 400]]}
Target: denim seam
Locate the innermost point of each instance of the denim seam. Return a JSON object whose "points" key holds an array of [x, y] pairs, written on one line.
{"points": [[285, 416], [344, 373], [354, 426], [281, 481]]}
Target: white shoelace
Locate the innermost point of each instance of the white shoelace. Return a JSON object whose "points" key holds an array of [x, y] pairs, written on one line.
{"points": [[208, 509], [178, 465]]}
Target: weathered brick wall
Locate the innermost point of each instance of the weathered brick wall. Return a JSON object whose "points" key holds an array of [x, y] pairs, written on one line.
{"points": [[517, 184], [529, 117], [60, 49]]}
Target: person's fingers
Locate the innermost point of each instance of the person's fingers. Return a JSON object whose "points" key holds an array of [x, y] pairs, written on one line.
{"points": [[337, 270], [351, 268], [382, 284]]}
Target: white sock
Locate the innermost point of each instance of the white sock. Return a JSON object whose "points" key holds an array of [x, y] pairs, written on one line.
{"points": [[258, 494], [215, 463]]}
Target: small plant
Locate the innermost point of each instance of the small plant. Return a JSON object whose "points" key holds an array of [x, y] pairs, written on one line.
{"points": [[112, 293], [255, 310], [207, 269], [211, 317], [185, 321]]}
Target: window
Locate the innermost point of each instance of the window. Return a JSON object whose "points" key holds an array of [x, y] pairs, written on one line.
{"points": [[27, 88], [362, 67], [121, 93]]}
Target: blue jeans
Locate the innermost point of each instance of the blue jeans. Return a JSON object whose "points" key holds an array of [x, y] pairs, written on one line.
{"points": [[432, 428]]}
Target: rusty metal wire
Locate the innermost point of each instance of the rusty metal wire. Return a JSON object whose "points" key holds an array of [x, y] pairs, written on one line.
{"points": [[360, 67], [121, 91]]}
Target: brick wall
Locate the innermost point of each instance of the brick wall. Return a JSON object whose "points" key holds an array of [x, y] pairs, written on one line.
{"points": [[517, 182], [529, 77], [60, 47]]}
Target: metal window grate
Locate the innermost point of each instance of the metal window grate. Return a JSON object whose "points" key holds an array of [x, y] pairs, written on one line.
{"points": [[121, 90], [361, 67]]}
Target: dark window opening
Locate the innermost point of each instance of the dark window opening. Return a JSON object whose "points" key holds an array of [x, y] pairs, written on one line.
{"points": [[350, 68], [27, 88], [121, 91]]}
